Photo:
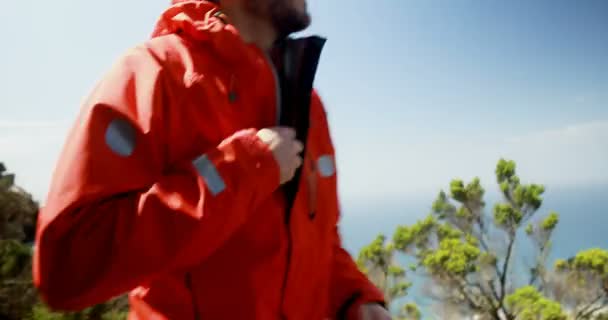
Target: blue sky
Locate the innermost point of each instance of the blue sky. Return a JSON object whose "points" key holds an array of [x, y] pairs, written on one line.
{"points": [[417, 91]]}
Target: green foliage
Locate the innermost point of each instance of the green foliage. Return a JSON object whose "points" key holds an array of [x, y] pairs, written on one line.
{"points": [[377, 261], [472, 191], [530, 195], [561, 264], [409, 311], [529, 229], [458, 191], [467, 273], [582, 283], [595, 260], [40, 312], [528, 304], [102, 312], [115, 315], [464, 213], [445, 231], [373, 253], [507, 216], [521, 201], [7, 181], [416, 235], [472, 276], [454, 257], [471, 240], [441, 203], [14, 257], [505, 170], [398, 289], [586, 273], [395, 270], [18, 297], [550, 222]]}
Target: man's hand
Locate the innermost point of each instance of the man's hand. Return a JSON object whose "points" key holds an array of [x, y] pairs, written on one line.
{"points": [[286, 149], [373, 311]]}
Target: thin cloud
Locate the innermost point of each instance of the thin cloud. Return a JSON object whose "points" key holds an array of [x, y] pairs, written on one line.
{"points": [[575, 154], [406, 166], [583, 132]]}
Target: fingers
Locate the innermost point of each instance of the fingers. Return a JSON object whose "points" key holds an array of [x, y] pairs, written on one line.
{"points": [[286, 132], [298, 146], [266, 135], [290, 134], [297, 162], [286, 149]]}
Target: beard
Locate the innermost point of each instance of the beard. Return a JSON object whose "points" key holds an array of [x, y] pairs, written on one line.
{"points": [[285, 17]]}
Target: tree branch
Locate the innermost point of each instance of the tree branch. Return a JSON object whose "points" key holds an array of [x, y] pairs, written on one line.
{"points": [[589, 309], [494, 308], [482, 230], [483, 292], [494, 292], [503, 275], [592, 311], [461, 288], [481, 224]]}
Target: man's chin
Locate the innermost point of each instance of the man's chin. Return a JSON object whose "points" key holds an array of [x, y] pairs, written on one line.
{"points": [[302, 24], [292, 23], [288, 19]]}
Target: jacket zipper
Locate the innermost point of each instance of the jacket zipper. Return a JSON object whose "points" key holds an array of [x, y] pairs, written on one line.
{"points": [[307, 55], [195, 310], [287, 267]]}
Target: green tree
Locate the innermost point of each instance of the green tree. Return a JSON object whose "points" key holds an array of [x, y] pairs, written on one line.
{"points": [[18, 211], [17, 222], [581, 284], [469, 256], [18, 297], [377, 260], [527, 303]]}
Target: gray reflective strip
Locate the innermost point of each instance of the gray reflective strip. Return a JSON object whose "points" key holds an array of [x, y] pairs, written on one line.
{"points": [[120, 137], [206, 169], [326, 166]]}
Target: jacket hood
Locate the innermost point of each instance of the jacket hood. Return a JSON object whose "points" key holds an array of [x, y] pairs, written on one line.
{"points": [[202, 21], [197, 19]]}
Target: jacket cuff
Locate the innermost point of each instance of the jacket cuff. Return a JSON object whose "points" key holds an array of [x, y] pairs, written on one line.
{"points": [[257, 171]]}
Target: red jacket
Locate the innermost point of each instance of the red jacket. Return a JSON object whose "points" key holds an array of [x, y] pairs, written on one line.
{"points": [[164, 190]]}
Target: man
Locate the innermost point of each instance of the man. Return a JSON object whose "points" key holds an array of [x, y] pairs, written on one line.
{"points": [[178, 183]]}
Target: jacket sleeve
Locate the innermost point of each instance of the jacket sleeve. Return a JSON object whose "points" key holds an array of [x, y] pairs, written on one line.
{"points": [[117, 215], [349, 287]]}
